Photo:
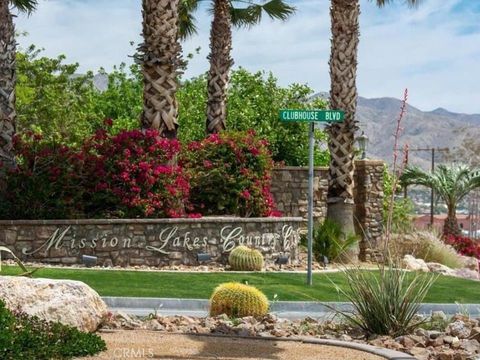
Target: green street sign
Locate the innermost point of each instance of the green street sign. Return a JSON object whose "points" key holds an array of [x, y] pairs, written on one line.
{"points": [[312, 115]]}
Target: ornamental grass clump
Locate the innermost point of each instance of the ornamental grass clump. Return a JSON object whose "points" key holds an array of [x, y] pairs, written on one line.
{"points": [[243, 258], [238, 300], [385, 302]]}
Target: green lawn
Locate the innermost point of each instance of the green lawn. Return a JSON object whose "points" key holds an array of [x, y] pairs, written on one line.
{"points": [[287, 286]]}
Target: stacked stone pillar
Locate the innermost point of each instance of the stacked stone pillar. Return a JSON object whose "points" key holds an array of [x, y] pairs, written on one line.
{"points": [[290, 185]]}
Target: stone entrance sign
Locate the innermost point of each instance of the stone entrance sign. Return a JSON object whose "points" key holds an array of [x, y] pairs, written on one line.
{"points": [[152, 242]]}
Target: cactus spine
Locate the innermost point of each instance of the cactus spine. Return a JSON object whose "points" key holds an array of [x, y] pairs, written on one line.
{"points": [[243, 258], [238, 300]]}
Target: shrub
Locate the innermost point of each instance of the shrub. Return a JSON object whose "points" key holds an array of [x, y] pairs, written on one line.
{"points": [[330, 241], [464, 245], [426, 245], [385, 303], [134, 174], [402, 210], [46, 184], [131, 174], [29, 338], [238, 300], [243, 258], [230, 175]]}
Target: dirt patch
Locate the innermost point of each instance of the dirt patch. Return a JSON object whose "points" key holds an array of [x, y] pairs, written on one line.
{"points": [[141, 344]]}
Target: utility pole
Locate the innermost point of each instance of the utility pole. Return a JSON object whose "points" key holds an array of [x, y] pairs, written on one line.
{"points": [[433, 151]]}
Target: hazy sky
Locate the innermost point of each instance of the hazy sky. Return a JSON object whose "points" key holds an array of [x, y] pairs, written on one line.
{"points": [[434, 49]]}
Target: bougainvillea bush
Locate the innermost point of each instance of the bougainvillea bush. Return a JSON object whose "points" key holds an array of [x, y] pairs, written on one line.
{"points": [[464, 245], [46, 184], [131, 174], [230, 173], [134, 174]]}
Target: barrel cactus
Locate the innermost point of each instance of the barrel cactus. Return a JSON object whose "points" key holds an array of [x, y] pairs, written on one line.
{"points": [[243, 258], [238, 300]]}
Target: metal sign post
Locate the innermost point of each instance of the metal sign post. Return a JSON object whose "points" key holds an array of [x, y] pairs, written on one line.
{"points": [[311, 145], [311, 116]]}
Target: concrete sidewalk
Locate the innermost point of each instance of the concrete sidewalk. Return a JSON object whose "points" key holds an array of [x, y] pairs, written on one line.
{"points": [[284, 309]]}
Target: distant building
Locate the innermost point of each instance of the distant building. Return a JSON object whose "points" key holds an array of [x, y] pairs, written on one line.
{"points": [[465, 222]]}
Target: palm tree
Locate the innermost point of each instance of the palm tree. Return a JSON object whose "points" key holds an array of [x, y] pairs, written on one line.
{"points": [[226, 14], [452, 184], [8, 47], [343, 96], [160, 57]]}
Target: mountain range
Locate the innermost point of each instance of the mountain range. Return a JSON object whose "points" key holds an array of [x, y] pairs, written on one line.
{"points": [[440, 128]]}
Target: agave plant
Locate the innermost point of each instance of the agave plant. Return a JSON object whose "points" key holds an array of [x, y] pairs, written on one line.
{"points": [[26, 272], [451, 183], [385, 302]]}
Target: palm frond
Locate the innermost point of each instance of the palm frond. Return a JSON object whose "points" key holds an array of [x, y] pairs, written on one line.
{"points": [[278, 9], [26, 6], [187, 26], [252, 14], [451, 183]]}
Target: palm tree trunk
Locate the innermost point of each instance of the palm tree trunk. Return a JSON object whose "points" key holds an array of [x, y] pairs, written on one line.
{"points": [[7, 85], [343, 96], [160, 57], [220, 64], [450, 226]]}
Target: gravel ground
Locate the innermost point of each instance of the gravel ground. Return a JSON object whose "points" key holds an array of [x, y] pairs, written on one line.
{"points": [[142, 344]]}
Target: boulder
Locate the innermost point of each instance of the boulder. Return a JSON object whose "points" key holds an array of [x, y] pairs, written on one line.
{"points": [[467, 274], [470, 262], [414, 264], [440, 269], [69, 302]]}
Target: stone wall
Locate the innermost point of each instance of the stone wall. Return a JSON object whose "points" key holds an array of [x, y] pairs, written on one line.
{"points": [[290, 187], [152, 242]]}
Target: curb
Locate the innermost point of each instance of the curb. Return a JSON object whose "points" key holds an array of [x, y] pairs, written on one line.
{"points": [[297, 309]]}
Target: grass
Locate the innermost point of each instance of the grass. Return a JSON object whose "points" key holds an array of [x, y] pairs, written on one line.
{"points": [[286, 286]]}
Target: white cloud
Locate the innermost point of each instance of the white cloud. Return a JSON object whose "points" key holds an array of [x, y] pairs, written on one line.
{"points": [[426, 49]]}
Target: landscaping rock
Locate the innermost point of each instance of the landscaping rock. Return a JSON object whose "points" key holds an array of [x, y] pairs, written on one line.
{"points": [[414, 264], [467, 274], [69, 302], [440, 269], [475, 333], [423, 344], [458, 329], [470, 262], [420, 353]]}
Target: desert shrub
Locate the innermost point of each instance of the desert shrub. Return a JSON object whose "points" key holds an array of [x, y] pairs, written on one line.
{"points": [[230, 173], [402, 210], [425, 245], [385, 303], [46, 184], [238, 300], [29, 338], [464, 245], [329, 240], [134, 175], [243, 258]]}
